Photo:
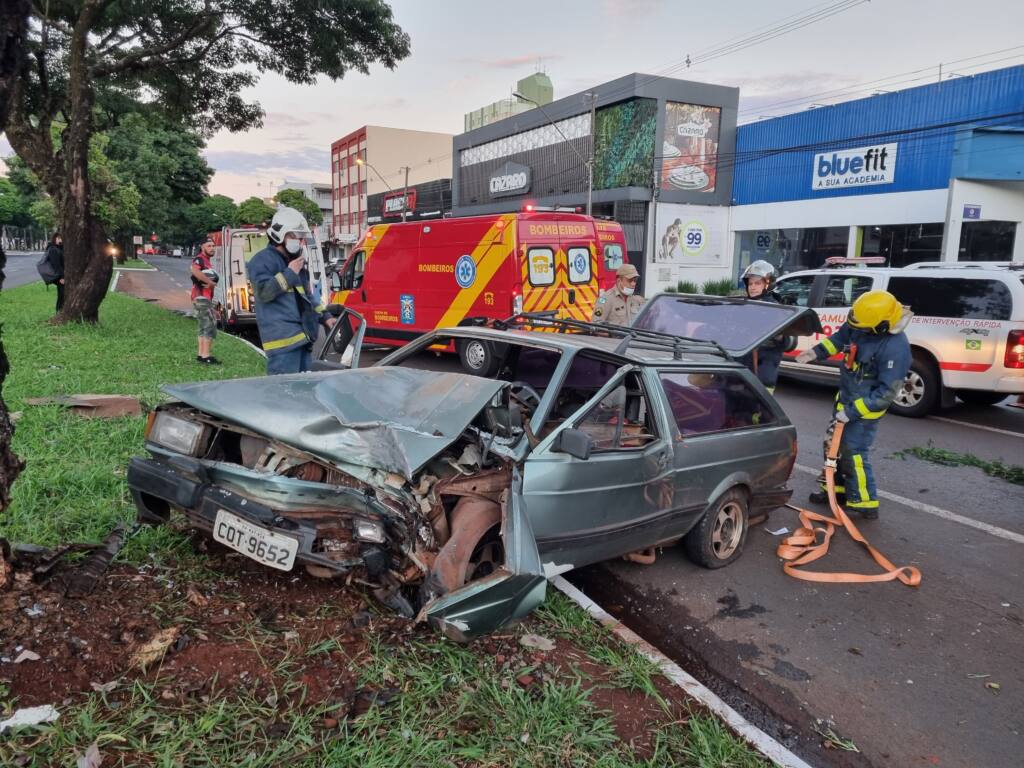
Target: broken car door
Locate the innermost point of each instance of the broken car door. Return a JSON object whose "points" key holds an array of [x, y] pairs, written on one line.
{"points": [[601, 484], [340, 350]]}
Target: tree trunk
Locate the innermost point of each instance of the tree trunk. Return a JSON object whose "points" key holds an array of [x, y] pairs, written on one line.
{"points": [[13, 21]]}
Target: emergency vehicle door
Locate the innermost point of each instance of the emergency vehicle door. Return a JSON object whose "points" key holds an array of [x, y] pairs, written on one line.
{"points": [[352, 292], [341, 348]]}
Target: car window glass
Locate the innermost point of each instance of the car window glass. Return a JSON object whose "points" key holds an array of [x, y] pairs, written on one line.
{"points": [[612, 256], [706, 402], [795, 291], [622, 420], [579, 265], [843, 290], [541, 266], [954, 297]]}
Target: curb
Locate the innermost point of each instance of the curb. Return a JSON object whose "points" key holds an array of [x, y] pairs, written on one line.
{"points": [[249, 343], [113, 283], [136, 269], [757, 738]]}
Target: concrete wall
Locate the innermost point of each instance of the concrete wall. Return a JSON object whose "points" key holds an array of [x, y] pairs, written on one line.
{"points": [[999, 201]]}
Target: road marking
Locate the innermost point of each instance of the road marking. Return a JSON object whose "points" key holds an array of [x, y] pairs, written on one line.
{"points": [[920, 506], [761, 741], [978, 426]]}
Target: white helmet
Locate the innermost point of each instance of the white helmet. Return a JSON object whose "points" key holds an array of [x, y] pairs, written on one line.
{"points": [[760, 268], [286, 220]]}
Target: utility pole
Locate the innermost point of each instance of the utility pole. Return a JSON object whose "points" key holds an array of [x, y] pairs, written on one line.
{"points": [[405, 193], [593, 144]]}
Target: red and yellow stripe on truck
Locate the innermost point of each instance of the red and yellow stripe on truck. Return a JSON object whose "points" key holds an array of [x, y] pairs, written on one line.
{"points": [[407, 279]]}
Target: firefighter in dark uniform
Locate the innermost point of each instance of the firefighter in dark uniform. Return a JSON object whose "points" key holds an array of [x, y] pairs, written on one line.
{"points": [[620, 304], [876, 359], [759, 281]]}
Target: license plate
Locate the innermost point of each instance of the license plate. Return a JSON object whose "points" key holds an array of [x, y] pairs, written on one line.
{"points": [[263, 546]]}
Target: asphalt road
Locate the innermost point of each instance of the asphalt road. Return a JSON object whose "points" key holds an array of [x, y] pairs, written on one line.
{"points": [[21, 268], [178, 269], [901, 672]]}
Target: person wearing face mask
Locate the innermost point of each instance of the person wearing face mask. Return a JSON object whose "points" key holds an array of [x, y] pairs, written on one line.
{"points": [[286, 315], [620, 304], [758, 281]]}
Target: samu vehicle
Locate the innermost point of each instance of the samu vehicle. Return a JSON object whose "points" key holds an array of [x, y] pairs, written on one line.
{"points": [[456, 496]]}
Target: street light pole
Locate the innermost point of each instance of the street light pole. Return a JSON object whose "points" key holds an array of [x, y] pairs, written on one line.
{"points": [[593, 146], [587, 163]]}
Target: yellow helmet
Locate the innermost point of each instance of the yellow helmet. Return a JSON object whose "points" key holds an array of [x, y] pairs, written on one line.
{"points": [[877, 311]]}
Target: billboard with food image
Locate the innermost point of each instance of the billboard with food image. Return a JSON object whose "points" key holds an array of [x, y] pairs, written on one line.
{"points": [[689, 147]]}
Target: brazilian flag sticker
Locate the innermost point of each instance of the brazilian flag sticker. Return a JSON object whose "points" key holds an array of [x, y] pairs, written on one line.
{"points": [[974, 344]]}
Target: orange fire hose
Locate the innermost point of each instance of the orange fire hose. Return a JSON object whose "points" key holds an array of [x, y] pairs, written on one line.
{"points": [[803, 546]]}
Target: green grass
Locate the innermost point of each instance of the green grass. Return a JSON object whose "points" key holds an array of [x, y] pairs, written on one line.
{"points": [[1013, 473], [454, 705], [134, 264], [73, 488]]}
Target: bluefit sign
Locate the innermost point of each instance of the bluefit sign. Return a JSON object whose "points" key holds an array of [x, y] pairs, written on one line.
{"points": [[860, 167]]}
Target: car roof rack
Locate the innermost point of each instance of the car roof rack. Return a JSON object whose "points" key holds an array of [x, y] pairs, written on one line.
{"points": [[854, 261], [677, 345], [1011, 265]]}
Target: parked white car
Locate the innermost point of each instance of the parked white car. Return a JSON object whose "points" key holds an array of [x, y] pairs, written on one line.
{"points": [[967, 334]]}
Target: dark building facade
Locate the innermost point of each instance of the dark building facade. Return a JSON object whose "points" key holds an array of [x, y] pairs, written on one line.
{"points": [[429, 200], [654, 141]]}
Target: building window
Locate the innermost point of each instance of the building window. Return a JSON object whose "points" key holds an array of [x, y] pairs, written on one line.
{"points": [[789, 250], [362, 187], [987, 240], [903, 244]]}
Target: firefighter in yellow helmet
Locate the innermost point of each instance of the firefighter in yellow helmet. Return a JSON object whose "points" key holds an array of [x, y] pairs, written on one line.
{"points": [[876, 359]]}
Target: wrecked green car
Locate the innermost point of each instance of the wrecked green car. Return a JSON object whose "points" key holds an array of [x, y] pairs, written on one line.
{"points": [[454, 497]]}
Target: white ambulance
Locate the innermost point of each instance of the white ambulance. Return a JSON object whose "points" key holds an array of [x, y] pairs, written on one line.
{"points": [[967, 334]]}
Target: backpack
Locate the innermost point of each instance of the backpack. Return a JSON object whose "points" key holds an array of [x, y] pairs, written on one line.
{"points": [[46, 270]]}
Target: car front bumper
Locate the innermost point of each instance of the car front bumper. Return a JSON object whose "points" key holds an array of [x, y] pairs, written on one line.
{"points": [[181, 483]]}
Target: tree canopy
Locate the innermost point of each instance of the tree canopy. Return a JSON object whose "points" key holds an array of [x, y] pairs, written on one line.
{"points": [[253, 210], [187, 60], [295, 199]]}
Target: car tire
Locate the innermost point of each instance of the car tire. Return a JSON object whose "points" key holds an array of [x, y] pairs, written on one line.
{"points": [[980, 397], [920, 393], [719, 537], [477, 357]]}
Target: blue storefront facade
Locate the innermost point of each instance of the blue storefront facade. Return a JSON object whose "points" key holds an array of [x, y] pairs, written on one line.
{"points": [[933, 173]]}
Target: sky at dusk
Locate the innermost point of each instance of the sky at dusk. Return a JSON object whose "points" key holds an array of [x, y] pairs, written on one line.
{"points": [[466, 54]]}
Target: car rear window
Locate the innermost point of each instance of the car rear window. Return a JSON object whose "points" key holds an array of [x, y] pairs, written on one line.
{"points": [[957, 297], [706, 402]]}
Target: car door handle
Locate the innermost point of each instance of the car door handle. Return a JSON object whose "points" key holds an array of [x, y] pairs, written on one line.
{"points": [[363, 294], [572, 295]]}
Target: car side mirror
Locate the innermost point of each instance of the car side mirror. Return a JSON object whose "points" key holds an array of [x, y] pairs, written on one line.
{"points": [[573, 442]]}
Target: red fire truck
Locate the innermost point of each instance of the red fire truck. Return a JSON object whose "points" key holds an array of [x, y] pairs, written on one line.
{"points": [[406, 279]]}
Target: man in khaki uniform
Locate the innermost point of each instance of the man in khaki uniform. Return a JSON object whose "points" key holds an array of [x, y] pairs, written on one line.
{"points": [[619, 305]]}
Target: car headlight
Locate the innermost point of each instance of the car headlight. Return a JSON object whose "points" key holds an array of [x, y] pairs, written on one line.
{"points": [[180, 435], [368, 530]]}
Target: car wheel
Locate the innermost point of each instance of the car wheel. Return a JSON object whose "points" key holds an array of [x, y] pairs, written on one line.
{"points": [[979, 397], [920, 391], [719, 537], [477, 357]]}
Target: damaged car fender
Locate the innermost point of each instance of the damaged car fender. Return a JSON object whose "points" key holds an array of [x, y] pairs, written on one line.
{"points": [[508, 593]]}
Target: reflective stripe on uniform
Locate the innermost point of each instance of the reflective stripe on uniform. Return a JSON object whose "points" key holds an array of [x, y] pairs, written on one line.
{"points": [[282, 280], [828, 345], [862, 504], [862, 478], [866, 412], [279, 343]]}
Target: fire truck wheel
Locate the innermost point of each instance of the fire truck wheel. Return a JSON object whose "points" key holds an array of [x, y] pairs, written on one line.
{"points": [[477, 357]]}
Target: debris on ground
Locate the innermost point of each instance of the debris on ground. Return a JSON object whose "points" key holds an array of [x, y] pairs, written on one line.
{"points": [[45, 713], [27, 655], [155, 648], [537, 641], [92, 757], [83, 579], [49, 564], [826, 728], [93, 406]]}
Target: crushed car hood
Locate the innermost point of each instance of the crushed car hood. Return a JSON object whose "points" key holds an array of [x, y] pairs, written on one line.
{"points": [[389, 418]]}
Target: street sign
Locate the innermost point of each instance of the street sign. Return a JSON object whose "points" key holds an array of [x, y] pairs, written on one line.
{"points": [[972, 211], [137, 240]]}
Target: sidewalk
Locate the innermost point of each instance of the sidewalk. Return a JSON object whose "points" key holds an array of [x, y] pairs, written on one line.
{"points": [[157, 287]]}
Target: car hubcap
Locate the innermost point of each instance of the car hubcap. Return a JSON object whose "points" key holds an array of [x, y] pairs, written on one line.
{"points": [[912, 391], [476, 355], [725, 537]]}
